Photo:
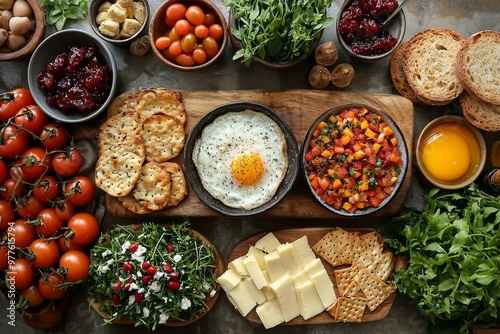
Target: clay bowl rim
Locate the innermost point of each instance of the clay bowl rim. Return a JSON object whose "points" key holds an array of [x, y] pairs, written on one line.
{"points": [[475, 132], [403, 148], [194, 179], [204, 4], [36, 38]]}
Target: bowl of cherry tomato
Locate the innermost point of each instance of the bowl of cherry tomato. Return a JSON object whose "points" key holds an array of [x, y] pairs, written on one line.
{"points": [[354, 159], [188, 35]]}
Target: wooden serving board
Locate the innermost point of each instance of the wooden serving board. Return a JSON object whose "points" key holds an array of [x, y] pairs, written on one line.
{"points": [[313, 236], [298, 108]]}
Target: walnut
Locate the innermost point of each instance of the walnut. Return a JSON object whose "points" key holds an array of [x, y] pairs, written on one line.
{"points": [[319, 77], [326, 54], [342, 75]]}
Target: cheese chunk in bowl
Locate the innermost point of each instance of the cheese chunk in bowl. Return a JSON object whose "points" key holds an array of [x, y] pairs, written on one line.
{"points": [[241, 159]]}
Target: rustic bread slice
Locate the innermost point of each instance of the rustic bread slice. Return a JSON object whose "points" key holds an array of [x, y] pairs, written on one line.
{"points": [[485, 116], [398, 75], [478, 65], [429, 65]]}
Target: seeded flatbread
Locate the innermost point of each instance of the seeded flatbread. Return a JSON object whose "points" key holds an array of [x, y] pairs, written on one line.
{"points": [[179, 187], [161, 100], [116, 128], [163, 136], [130, 203], [118, 168], [153, 187], [121, 103]]}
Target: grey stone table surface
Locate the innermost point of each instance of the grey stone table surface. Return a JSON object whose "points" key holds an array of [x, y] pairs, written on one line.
{"points": [[465, 17]]}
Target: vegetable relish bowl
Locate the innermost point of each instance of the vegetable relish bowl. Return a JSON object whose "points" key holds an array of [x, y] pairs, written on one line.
{"points": [[354, 159], [241, 159]]}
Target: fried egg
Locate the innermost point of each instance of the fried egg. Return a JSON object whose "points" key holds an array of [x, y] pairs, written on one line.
{"points": [[241, 158]]}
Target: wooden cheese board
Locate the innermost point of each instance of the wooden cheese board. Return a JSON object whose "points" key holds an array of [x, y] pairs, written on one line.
{"points": [[313, 236], [298, 108]]}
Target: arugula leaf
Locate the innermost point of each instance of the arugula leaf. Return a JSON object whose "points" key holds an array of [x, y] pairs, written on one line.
{"points": [[58, 11], [453, 245], [277, 30]]}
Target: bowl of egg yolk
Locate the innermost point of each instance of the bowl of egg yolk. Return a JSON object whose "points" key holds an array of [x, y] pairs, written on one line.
{"points": [[450, 152]]}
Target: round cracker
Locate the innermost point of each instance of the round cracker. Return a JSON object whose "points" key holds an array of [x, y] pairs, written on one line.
{"points": [[116, 128], [160, 100], [179, 185], [163, 136], [129, 203], [153, 187]]}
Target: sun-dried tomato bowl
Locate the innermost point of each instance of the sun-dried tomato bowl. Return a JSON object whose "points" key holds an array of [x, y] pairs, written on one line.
{"points": [[358, 175], [57, 44]]}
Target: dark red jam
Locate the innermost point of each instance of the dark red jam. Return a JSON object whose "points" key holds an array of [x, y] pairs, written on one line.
{"points": [[361, 27], [77, 80]]}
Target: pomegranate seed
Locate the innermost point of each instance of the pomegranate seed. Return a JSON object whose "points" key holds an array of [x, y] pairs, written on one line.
{"points": [[168, 268], [173, 285], [170, 248], [151, 270], [139, 297], [134, 247], [117, 286], [174, 276], [127, 287], [145, 265], [127, 266], [117, 300], [147, 279]]}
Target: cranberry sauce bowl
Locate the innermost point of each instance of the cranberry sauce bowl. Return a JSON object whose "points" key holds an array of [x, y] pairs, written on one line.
{"points": [[360, 31], [72, 76]]}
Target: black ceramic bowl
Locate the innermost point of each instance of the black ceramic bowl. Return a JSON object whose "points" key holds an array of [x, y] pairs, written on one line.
{"points": [[401, 144], [192, 173]]}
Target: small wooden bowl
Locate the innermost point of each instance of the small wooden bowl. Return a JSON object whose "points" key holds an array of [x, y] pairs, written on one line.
{"points": [[36, 36], [158, 28]]}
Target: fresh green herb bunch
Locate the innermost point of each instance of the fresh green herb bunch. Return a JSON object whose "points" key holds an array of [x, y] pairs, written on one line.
{"points": [[58, 11], [454, 257], [277, 30], [152, 275]]}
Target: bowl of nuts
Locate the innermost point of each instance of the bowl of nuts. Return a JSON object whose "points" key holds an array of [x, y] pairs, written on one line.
{"points": [[119, 22], [22, 28], [72, 76]]}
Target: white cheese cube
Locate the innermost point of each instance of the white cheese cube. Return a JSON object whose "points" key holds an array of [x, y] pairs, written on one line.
{"points": [[310, 303], [303, 251], [253, 269], [270, 314], [274, 266], [289, 259], [268, 243], [286, 296], [228, 280], [130, 27], [238, 266], [259, 255]]}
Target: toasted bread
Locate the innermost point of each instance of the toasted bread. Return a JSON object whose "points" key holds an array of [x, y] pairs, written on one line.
{"points": [[429, 65], [398, 75], [483, 115], [478, 65]]}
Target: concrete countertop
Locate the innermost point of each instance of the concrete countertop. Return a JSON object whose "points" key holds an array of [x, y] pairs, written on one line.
{"points": [[465, 17]]}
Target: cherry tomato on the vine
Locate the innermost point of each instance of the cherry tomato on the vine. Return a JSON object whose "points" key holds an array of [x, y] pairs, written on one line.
{"points": [[4, 172], [21, 272], [80, 191], [7, 213], [4, 257], [64, 210], [67, 163], [85, 228], [28, 206], [31, 118], [54, 136], [68, 244], [13, 141], [46, 253], [47, 189], [23, 234], [12, 101], [32, 293], [50, 286], [11, 188], [51, 224], [35, 162], [77, 265]]}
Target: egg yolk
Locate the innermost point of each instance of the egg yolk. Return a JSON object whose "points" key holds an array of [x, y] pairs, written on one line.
{"points": [[446, 155], [247, 168]]}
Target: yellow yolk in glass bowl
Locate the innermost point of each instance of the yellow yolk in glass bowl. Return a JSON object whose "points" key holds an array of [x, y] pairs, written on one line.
{"points": [[248, 169], [447, 151]]}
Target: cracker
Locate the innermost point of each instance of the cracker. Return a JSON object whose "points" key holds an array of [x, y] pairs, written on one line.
{"points": [[163, 136], [332, 245], [179, 187], [131, 204], [343, 277], [353, 288], [355, 250], [123, 103], [384, 266], [350, 309], [375, 290], [160, 100], [116, 128], [117, 169], [153, 187]]}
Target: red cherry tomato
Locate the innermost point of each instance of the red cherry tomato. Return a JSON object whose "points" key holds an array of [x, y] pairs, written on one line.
{"points": [[54, 136], [13, 141], [199, 56], [28, 207], [77, 265], [182, 27], [22, 233], [4, 172], [185, 59], [32, 293], [64, 210], [68, 163], [51, 223], [162, 43], [46, 253], [201, 31], [31, 118], [12, 101], [176, 11], [85, 228], [4, 257], [7, 213], [47, 189], [67, 245], [210, 19], [11, 188], [195, 15], [216, 31], [21, 272], [35, 162], [80, 191], [175, 48], [49, 286]]}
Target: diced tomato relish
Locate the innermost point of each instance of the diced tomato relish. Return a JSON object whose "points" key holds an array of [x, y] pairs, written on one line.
{"points": [[353, 160]]}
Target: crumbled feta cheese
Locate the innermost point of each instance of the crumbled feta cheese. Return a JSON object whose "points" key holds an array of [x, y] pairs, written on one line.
{"points": [[134, 286], [110, 262], [212, 293], [103, 269], [165, 299], [125, 246], [139, 274], [145, 312], [141, 290], [155, 286], [185, 303], [131, 299], [138, 255], [159, 274], [177, 258], [106, 253], [163, 319]]}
